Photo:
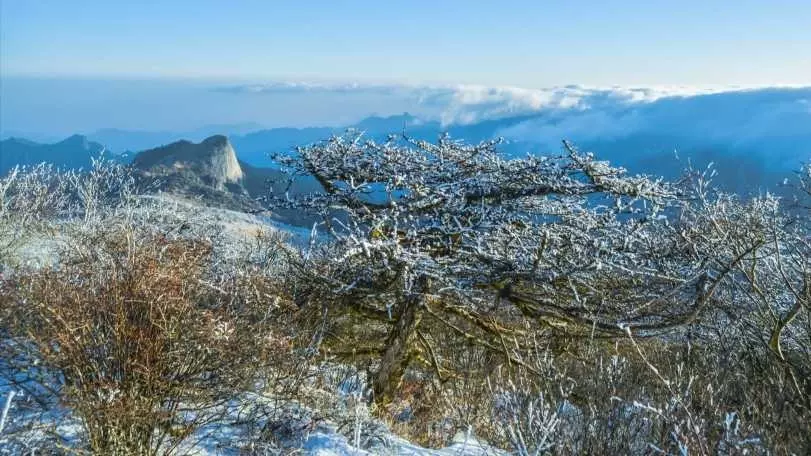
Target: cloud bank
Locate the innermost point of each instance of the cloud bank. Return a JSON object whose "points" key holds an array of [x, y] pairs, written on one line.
{"points": [[764, 125], [467, 104], [778, 119]]}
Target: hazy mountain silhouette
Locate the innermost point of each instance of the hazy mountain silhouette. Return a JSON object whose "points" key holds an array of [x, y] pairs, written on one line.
{"points": [[73, 152], [256, 147], [119, 140]]}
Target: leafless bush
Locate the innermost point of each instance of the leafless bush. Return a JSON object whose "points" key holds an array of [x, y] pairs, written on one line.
{"points": [[147, 323], [27, 197], [138, 340], [529, 421]]}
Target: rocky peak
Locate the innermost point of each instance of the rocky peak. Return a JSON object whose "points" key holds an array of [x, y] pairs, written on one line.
{"points": [[213, 160]]}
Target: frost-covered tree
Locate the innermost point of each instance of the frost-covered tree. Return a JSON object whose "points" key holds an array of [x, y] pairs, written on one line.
{"points": [[459, 238]]}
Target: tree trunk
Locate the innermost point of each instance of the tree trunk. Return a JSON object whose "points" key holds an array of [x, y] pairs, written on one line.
{"points": [[399, 344]]}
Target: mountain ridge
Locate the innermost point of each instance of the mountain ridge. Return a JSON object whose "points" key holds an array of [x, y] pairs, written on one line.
{"points": [[75, 151]]}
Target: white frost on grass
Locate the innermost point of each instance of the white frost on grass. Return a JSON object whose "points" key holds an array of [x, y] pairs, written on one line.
{"points": [[331, 444]]}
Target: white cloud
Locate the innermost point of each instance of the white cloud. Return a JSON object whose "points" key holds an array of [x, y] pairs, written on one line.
{"points": [[769, 121], [719, 115], [466, 104]]}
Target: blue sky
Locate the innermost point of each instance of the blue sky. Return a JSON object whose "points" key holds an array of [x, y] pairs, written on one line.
{"points": [[507, 43]]}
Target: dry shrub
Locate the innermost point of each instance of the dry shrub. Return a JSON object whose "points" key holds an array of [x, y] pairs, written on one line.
{"points": [[140, 337], [686, 395]]}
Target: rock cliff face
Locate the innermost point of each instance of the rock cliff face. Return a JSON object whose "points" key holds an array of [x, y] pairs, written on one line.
{"points": [[209, 172], [213, 161]]}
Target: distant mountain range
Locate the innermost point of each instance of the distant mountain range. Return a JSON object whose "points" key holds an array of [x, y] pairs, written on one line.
{"points": [[120, 141], [755, 138], [73, 152], [255, 145]]}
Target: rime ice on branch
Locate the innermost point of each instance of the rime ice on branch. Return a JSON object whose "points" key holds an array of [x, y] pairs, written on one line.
{"points": [[478, 242]]}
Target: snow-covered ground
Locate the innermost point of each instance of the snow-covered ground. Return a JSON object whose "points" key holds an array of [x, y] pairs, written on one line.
{"points": [[27, 429], [331, 444]]}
